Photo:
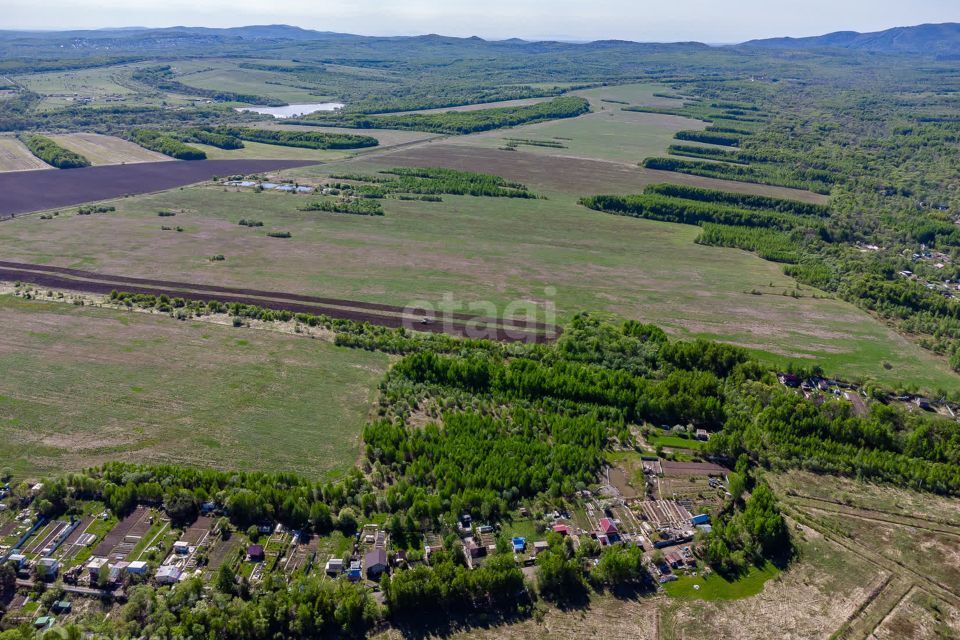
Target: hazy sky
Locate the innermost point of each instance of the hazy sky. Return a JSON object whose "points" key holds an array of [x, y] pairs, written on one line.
{"points": [[711, 21]]}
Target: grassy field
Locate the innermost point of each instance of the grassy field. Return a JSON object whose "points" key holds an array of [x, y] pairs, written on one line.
{"points": [[100, 149], [608, 133], [224, 75], [99, 86], [677, 442], [716, 587], [479, 249], [14, 156], [85, 385]]}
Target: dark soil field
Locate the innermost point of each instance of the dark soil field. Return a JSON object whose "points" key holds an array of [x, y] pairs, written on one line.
{"points": [[26, 191], [134, 524]]}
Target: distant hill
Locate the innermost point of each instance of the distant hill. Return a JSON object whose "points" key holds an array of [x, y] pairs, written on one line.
{"points": [[928, 39]]}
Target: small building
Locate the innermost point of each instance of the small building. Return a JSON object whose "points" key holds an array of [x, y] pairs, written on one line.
{"points": [[375, 563], [700, 519], [43, 622], [540, 546], [117, 569], [562, 529], [922, 403], [18, 559], [207, 508], [334, 566], [702, 434], [354, 573], [181, 547], [255, 553], [674, 559], [62, 606], [168, 574], [608, 526], [47, 568], [137, 568], [94, 566], [519, 544]]}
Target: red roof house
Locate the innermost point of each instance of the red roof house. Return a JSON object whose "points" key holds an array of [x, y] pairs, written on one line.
{"points": [[607, 526]]}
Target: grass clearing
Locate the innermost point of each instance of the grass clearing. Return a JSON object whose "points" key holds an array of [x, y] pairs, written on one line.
{"points": [[608, 133], [86, 385], [676, 442], [716, 587], [100, 149]]}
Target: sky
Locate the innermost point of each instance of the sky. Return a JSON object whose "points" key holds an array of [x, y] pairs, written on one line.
{"points": [[711, 21]]}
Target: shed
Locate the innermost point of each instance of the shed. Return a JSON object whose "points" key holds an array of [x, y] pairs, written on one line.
{"points": [[700, 519], [137, 567], [18, 559], [62, 606], [519, 544], [562, 529], [255, 552], [181, 547], [540, 545], [43, 621]]}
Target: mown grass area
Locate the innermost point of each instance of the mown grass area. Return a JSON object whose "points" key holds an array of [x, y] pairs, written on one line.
{"points": [[677, 442], [716, 587], [86, 385]]}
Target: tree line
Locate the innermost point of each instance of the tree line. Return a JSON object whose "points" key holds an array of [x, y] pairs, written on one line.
{"points": [[52, 153]]}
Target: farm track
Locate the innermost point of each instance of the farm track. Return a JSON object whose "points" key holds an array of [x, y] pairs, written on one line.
{"points": [[39, 190], [393, 317]]}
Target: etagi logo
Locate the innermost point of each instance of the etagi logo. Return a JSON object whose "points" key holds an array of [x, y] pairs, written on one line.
{"points": [[526, 320]]}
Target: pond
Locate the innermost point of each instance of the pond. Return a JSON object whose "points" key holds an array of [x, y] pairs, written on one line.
{"points": [[294, 110]]}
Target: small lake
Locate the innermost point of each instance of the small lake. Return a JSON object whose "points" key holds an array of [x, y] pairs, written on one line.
{"points": [[294, 110]]}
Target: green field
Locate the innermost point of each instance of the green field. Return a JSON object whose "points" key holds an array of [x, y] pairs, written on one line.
{"points": [[608, 133], [85, 385], [716, 587], [507, 251], [677, 442]]}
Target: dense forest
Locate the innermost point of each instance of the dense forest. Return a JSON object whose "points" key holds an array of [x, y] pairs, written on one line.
{"points": [[460, 122], [165, 143], [306, 140]]}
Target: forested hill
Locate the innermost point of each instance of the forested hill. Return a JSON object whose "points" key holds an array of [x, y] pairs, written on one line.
{"points": [[930, 39]]}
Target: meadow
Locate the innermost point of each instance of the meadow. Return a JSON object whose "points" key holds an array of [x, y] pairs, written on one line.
{"points": [[508, 251], [608, 133], [85, 385]]}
